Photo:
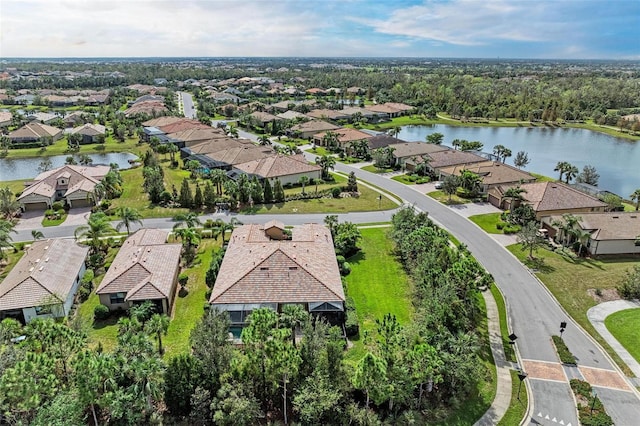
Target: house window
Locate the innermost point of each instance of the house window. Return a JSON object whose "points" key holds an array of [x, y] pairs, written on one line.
{"points": [[117, 298], [43, 310]]}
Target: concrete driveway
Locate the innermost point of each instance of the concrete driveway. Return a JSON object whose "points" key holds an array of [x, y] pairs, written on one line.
{"points": [[77, 216], [30, 220]]}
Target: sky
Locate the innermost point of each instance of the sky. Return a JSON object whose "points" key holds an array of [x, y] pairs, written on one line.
{"points": [[556, 29]]}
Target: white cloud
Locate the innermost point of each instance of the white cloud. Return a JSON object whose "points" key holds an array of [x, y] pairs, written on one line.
{"points": [[473, 22]]}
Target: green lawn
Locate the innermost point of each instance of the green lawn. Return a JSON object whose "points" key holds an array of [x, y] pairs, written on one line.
{"points": [[624, 326], [542, 178], [60, 147], [16, 186], [410, 179], [319, 151], [374, 169], [444, 198], [54, 222], [187, 310], [569, 278], [487, 222], [378, 285]]}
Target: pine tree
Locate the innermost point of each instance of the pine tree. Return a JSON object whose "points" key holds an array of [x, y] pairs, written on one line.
{"points": [[209, 195], [198, 199], [352, 184], [186, 197], [257, 193], [268, 192], [278, 192]]}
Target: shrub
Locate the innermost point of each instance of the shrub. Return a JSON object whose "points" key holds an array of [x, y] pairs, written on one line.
{"points": [[500, 225], [351, 325], [208, 224], [511, 229], [335, 192], [83, 295], [566, 357], [57, 206], [629, 288], [183, 279], [49, 212], [101, 312]]}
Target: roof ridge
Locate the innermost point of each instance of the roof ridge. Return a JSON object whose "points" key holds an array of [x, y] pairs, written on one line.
{"points": [[309, 272]]}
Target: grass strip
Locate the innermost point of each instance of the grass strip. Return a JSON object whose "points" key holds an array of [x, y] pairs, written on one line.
{"points": [[518, 406], [509, 351], [566, 357]]}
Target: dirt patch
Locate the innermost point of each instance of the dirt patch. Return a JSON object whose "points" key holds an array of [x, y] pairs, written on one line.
{"points": [[603, 295]]}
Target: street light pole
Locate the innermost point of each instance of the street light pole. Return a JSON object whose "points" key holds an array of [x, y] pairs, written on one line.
{"points": [[595, 397], [563, 326], [521, 375]]}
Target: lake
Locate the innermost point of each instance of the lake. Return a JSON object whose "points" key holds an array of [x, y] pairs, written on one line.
{"points": [[616, 160], [27, 168]]}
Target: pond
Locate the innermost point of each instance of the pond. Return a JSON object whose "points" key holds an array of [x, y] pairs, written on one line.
{"points": [[27, 168], [616, 160]]}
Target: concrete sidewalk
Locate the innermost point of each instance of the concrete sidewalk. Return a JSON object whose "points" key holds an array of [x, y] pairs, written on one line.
{"points": [[501, 402], [599, 313]]}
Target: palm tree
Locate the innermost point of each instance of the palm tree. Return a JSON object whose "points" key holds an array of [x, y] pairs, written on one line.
{"points": [[37, 235], [190, 239], [189, 220], [264, 140], [218, 177], [158, 324], [304, 180], [395, 131], [9, 206], [128, 216], [97, 227], [330, 139], [582, 237], [6, 228], [570, 173], [515, 195], [635, 197], [561, 167], [294, 316], [470, 181], [326, 163], [233, 132]]}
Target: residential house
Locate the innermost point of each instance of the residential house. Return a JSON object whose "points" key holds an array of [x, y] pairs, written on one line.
{"points": [[91, 133], [345, 136], [611, 233], [286, 168], [73, 119], [491, 173], [382, 140], [190, 137], [150, 108], [42, 117], [35, 132], [145, 269], [408, 154], [44, 282], [307, 129], [328, 114], [5, 118], [261, 119], [73, 184], [549, 199], [292, 115], [441, 157], [262, 268]]}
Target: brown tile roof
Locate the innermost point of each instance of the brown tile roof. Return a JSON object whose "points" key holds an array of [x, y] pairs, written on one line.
{"points": [[410, 149], [314, 126], [215, 145], [90, 129], [346, 135], [287, 115], [264, 117], [278, 165], [383, 108], [331, 114], [35, 131], [144, 268], [46, 271], [549, 196], [241, 154], [450, 157], [611, 225], [491, 172], [146, 107], [182, 125], [399, 106], [162, 121], [382, 140], [198, 134], [80, 177], [256, 269]]}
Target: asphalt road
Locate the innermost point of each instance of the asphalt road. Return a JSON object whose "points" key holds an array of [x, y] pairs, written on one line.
{"points": [[534, 314], [187, 104]]}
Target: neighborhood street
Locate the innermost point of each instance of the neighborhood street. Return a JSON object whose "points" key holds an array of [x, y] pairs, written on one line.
{"points": [[534, 314], [187, 104]]}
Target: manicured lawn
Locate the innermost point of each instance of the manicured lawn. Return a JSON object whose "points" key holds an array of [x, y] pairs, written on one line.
{"points": [[624, 326], [133, 194], [517, 407], [188, 310], [444, 198], [487, 222], [569, 278], [374, 169], [509, 352], [367, 201], [9, 262], [410, 179], [542, 178], [378, 285], [16, 186], [54, 222], [319, 151], [60, 147]]}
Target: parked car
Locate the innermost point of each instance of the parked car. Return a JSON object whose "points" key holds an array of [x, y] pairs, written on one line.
{"points": [[438, 185]]}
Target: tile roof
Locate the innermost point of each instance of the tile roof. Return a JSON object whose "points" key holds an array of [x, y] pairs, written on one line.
{"points": [[146, 107], [264, 117], [278, 165], [198, 134], [549, 196], [241, 154], [449, 157], [256, 269], [331, 114], [491, 172], [80, 177], [346, 134], [382, 140], [34, 130], [215, 145], [287, 115], [90, 129], [47, 270], [314, 126], [162, 121], [410, 149], [611, 225], [144, 268]]}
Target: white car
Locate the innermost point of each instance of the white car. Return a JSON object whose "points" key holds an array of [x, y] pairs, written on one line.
{"points": [[438, 185]]}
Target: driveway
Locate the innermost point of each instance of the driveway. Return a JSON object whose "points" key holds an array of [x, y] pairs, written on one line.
{"points": [[78, 216], [33, 220], [30, 220]]}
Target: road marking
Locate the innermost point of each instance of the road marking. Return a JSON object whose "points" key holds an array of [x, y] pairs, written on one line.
{"points": [[544, 370], [554, 419], [604, 378]]}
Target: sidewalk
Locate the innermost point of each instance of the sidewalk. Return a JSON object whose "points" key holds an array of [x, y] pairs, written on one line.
{"points": [[597, 315], [502, 400]]}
